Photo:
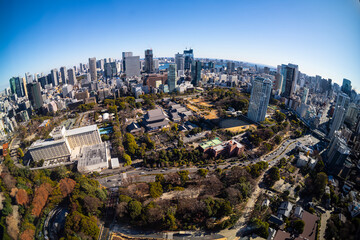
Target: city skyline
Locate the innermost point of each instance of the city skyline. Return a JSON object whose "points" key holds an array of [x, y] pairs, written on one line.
{"points": [[46, 35]]}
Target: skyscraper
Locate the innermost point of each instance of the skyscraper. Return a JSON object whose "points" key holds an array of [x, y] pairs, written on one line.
{"points": [[64, 76], [18, 86], [71, 76], [132, 66], [54, 77], [346, 86], [290, 74], [100, 64], [92, 68], [189, 58], [259, 100], [179, 61], [34, 94], [149, 62], [124, 56], [305, 96], [341, 106], [172, 77], [337, 153], [196, 73]]}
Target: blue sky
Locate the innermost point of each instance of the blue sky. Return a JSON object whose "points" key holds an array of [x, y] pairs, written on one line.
{"points": [[321, 36]]}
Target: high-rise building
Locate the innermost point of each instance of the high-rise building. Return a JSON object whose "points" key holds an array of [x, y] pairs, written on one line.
{"points": [[196, 73], [278, 83], [100, 64], [179, 61], [352, 114], [346, 86], [305, 96], [149, 62], [18, 86], [71, 76], [64, 76], [290, 74], [341, 106], [189, 58], [132, 66], [92, 67], [124, 56], [54, 77], [172, 77], [338, 152], [34, 94], [259, 100], [230, 67]]}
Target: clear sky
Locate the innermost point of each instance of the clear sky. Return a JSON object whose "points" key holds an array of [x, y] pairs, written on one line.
{"points": [[321, 36]]}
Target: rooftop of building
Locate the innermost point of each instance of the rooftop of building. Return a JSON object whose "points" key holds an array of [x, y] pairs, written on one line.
{"points": [[155, 115], [80, 130], [210, 143], [92, 155], [46, 142]]}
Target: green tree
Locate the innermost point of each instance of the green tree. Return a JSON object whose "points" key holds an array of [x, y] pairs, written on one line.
{"points": [[127, 159], [298, 226], [202, 172], [320, 183], [20, 152], [184, 176], [134, 209], [279, 116], [130, 143], [278, 139], [273, 175], [156, 189]]}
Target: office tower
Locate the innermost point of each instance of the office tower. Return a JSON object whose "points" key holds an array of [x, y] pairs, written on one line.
{"points": [[100, 64], [35, 96], [189, 58], [305, 96], [92, 67], [346, 86], [149, 62], [196, 73], [290, 74], [18, 86], [71, 76], [172, 77], [29, 78], [64, 76], [259, 100], [352, 114], [43, 81], [124, 56], [230, 67], [179, 61], [341, 106], [54, 77], [338, 152], [156, 65], [132, 66], [278, 83]]}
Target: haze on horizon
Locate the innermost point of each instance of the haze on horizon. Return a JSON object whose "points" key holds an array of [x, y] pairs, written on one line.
{"points": [[322, 37]]}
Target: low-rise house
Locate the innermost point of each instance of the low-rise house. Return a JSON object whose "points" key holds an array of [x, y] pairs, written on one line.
{"points": [[354, 208], [303, 160], [133, 127], [298, 212], [285, 209]]}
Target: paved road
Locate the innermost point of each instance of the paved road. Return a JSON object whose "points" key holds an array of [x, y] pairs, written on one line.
{"points": [[324, 218], [272, 158]]}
